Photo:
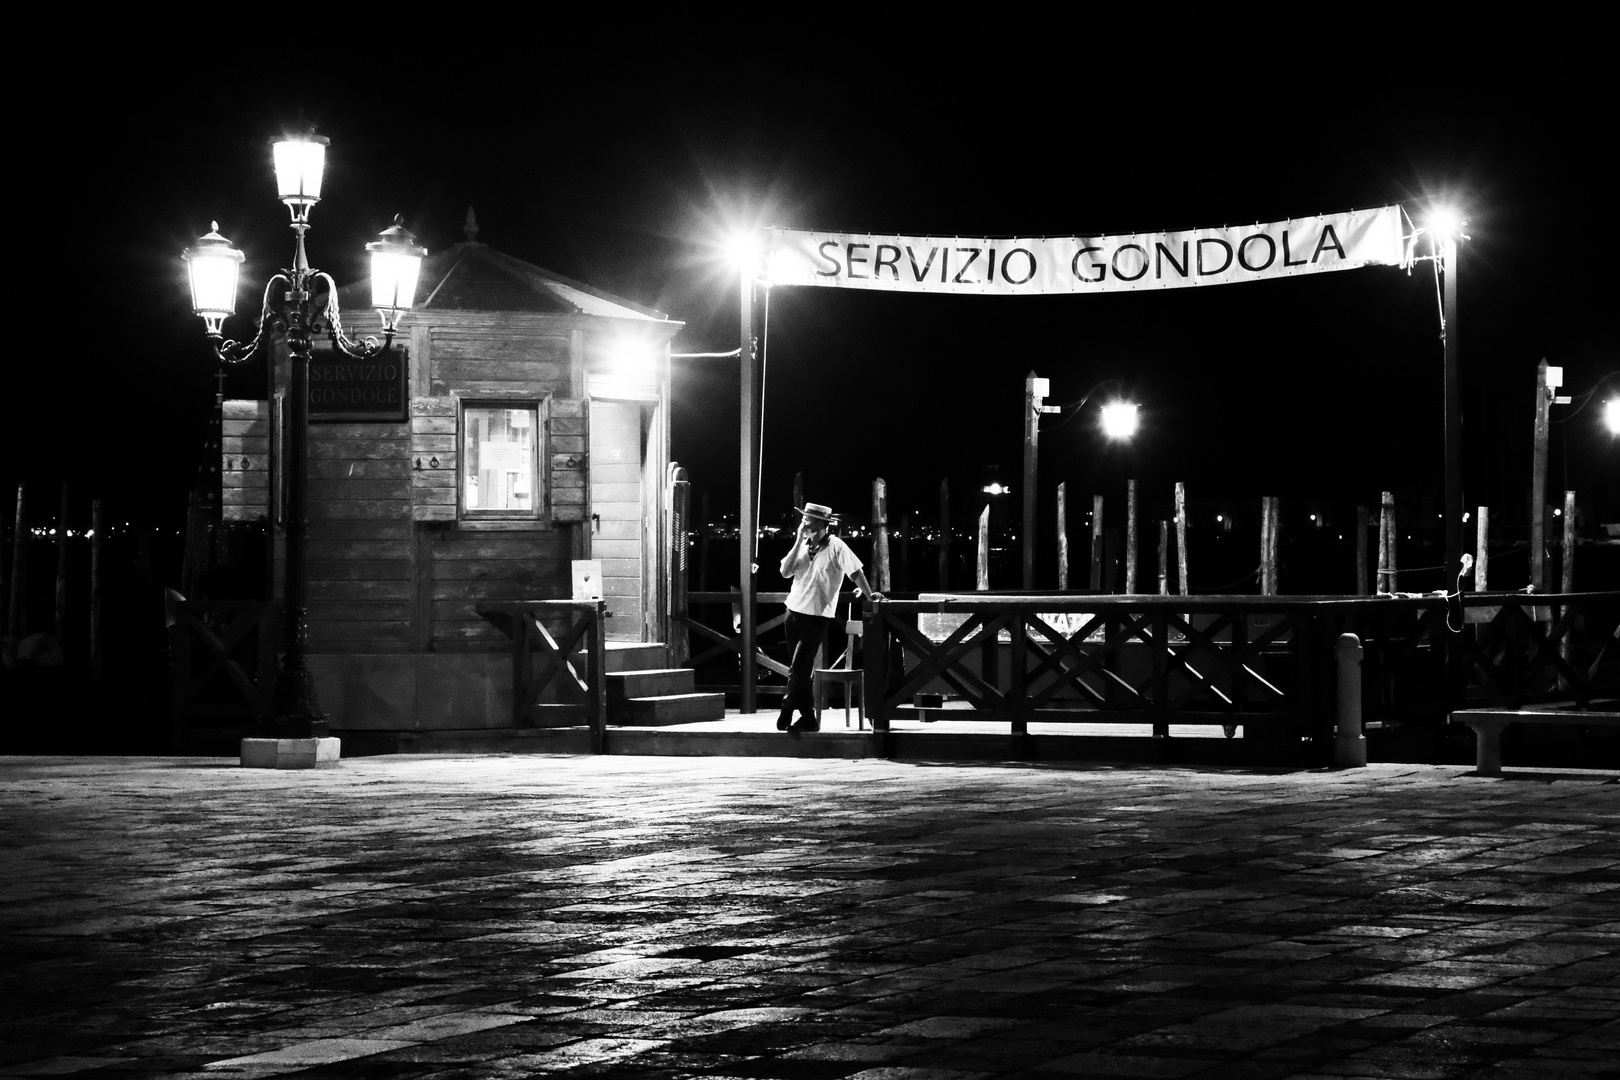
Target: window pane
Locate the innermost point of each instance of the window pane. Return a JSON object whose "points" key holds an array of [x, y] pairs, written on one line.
{"points": [[498, 449]]}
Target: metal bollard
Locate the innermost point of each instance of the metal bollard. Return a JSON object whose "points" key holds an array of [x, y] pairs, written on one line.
{"points": [[1349, 745]]}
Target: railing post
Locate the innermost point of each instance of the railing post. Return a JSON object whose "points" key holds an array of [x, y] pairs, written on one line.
{"points": [[597, 633], [875, 662], [1017, 657], [1349, 744], [680, 503], [521, 665], [1161, 669]]}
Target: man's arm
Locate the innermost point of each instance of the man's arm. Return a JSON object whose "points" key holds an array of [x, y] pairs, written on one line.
{"points": [[862, 587]]}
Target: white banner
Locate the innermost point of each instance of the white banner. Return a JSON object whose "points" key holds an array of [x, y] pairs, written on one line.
{"points": [[1032, 266]]}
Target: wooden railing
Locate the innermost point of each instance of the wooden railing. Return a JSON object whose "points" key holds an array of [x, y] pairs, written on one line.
{"points": [[717, 647], [1265, 663], [1229, 661], [546, 635], [222, 656]]}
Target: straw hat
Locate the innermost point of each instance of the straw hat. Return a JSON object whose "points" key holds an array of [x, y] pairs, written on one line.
{"points": [[817, 512]]}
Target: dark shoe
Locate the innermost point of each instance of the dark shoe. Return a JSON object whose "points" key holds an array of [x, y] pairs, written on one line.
{"points": [[784, 720], [806, 723]]}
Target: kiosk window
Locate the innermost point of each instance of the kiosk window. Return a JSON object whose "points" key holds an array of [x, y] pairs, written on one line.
{"points": [[499, 475]]}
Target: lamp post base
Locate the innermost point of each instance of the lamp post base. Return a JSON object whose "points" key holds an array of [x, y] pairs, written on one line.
{"points": [[290, 753]]}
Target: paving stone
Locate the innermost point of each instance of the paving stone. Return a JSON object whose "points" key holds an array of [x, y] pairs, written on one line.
{"points": [[776, 918]]}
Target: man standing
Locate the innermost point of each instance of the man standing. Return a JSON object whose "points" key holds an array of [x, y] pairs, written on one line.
{"points": [[818, 563]]}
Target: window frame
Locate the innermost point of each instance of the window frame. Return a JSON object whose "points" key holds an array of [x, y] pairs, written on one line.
{"points": [[537, 472]]}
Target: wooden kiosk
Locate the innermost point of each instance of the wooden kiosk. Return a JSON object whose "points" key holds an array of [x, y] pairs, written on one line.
{"points": [[518, 428]]}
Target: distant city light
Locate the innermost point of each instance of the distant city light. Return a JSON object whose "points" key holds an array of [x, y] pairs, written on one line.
{"points": [[997, 488]]}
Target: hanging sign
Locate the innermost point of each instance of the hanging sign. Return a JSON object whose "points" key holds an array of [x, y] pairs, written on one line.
{"points": [[1037, 266], [344, 389]]}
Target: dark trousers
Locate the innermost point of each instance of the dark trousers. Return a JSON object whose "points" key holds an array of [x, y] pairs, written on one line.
{"points": [[806, 635]]}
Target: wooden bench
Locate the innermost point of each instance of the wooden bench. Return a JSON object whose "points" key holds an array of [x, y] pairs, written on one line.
{"points": [[1489, 723]]}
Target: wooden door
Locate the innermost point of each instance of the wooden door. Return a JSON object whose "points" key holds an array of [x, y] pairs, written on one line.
{"points": [[618, 514]]}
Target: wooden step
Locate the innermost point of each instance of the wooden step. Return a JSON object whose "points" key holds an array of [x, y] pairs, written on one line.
{"points": [[667, 709], [626, 656], [653, 682]]}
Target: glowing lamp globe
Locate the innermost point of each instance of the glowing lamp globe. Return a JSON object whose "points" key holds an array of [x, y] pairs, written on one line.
{"points": [[1119, 419], [213, 266], [396, 262], [300, 163]]}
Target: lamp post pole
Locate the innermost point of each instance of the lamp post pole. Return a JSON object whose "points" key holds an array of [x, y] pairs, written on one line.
{"points": [[1119, 422], [1035, 390], [1453, 501], [213, 266], [749, 482]]}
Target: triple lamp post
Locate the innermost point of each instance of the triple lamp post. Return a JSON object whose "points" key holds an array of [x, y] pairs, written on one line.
{"points": [[290, 307]]}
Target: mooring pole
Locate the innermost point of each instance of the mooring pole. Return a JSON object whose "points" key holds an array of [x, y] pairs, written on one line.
{"points": [[1063, 536], [1546, 383], [1034, 393]]}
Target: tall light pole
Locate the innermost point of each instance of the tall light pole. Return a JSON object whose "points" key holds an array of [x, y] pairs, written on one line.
{"points": [[748, 473], [1447, 227], [290, 307], [1119, 421]]}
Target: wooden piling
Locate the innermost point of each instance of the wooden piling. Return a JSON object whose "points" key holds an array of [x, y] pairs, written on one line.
{"points": [[882, 580], [982, 577], [1566, 581], [1063, 536], [1130, 537], [1181, 537], [1275, 536], [1482, 551], [1386, 542], [1267, 581], [1096, 542], [1164, 558]]}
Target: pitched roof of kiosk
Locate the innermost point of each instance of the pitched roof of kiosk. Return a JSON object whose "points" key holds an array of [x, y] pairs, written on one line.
{"points": [[471, 276]]}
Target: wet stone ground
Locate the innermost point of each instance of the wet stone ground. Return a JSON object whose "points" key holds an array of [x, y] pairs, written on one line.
{"points": [[515, 916]]}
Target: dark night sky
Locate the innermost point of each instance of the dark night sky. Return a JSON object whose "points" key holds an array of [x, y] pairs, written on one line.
{"points": [[582, 162]]}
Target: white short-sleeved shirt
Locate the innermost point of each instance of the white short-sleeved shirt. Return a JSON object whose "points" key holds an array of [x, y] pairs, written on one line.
{"points": [[815, 587]]}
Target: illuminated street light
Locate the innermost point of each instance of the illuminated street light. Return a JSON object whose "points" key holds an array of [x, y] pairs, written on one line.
{"points": [[1611, 415], [1120, 419], [289, 306]]}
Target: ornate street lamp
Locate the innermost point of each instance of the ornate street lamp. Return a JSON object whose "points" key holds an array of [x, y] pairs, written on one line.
{"points": [[290, 307]]}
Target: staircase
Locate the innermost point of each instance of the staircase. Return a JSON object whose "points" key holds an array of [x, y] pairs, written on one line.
{"points": [[641, 695], [659, 696]]}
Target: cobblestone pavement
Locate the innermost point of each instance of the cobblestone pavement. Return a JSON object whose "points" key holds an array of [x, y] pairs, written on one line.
{"points": [[511, 916]]}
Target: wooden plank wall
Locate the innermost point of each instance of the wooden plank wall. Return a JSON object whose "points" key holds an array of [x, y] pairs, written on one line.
{"points": [[391, 569], [360, 537], [245, 460]]}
